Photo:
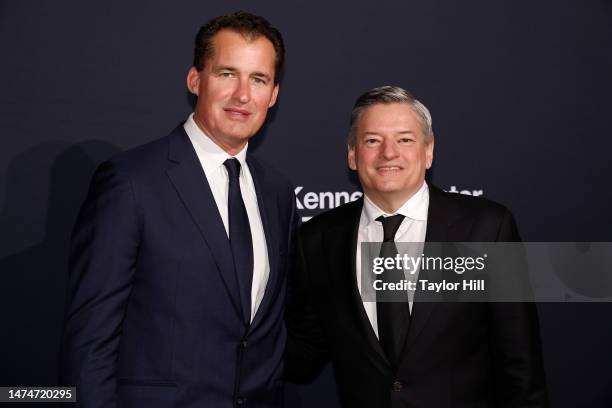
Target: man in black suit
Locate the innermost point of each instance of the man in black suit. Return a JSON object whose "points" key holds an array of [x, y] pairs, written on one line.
{"points": [[405, 353], [180, 253]]}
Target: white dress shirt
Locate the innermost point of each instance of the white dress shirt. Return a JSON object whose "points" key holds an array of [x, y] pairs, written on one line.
{"points": [[212, 158], [412, 229]]}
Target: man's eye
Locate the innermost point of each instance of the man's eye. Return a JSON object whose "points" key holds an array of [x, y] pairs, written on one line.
{"points": [[227, 74], [370, 141], [259, 81], [406, 140]]}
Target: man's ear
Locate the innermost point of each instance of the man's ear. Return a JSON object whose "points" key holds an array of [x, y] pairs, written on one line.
{"points": [[193, 81], [429, 154], [351, 158], [274, 96]]}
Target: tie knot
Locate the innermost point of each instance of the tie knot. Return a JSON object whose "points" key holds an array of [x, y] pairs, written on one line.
{"points": [[390, 226], [233, 167]]}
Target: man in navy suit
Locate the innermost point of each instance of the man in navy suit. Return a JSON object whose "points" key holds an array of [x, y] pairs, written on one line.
{"points": [[180, 252]]}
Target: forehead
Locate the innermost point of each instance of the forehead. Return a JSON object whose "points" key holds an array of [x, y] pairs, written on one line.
{"points": [[389, 118], [231, 47]]}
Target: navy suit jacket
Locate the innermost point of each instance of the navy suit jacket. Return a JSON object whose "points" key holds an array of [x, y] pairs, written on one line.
{"points": [[154, 317]]}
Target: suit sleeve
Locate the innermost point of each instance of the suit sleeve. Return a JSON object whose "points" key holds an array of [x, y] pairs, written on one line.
{"points": [[307, 350], [516, 345], [103, 253]]}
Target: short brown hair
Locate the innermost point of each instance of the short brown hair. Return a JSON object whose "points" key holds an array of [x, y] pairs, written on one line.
{"points": [[245, 23]]}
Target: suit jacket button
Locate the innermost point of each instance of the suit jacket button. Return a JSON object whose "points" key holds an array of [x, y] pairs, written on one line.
{"points": [[397, 386], [240, 401], [244, 344]]}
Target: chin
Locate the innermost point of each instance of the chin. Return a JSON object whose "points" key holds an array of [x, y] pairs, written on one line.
{"points": [[238, 135], [389, 188]]}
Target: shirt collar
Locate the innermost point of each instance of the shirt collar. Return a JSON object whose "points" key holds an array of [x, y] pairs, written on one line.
{"points": [[415, 208], [211, 155]]}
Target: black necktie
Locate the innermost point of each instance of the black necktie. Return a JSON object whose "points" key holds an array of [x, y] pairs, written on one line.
{"points": [[392, 309], [240, 238]]}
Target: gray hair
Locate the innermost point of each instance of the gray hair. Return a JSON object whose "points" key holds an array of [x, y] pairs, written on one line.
{"points": [[387, 95]]}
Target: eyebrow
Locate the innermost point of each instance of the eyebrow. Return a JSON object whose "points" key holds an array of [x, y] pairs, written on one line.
{"points": [[225, 68]]}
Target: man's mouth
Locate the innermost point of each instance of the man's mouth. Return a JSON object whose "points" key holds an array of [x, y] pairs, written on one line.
{"points": [[237, 113], [388, 169]]}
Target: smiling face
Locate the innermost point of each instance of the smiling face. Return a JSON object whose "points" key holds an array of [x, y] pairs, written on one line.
{"points": [[390, 154], [235, 89]]}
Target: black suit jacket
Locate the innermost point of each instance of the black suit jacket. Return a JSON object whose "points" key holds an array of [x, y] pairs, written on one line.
{"points": [[154, 318], [456, 354]]}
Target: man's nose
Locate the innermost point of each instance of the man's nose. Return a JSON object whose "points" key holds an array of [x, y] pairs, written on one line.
{"points": [[242, 92], [389, 150]]}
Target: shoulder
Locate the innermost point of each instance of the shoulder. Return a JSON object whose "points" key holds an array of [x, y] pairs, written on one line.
{"points": [[464, 205], [344, 216], [489, 220], [140, 159], [149, 159], [273, 177]]}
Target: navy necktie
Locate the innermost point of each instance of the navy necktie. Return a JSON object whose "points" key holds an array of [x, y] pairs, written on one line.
{"points": [[392, 309], [240, 238]]}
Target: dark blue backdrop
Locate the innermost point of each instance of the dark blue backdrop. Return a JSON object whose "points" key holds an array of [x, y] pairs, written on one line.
{"points": [[520, 91]]}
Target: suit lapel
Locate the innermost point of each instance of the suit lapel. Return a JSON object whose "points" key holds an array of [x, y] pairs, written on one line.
{"points": [[190, 182], [443, 225], [436, 231], [345, 254], [268, 210]]}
